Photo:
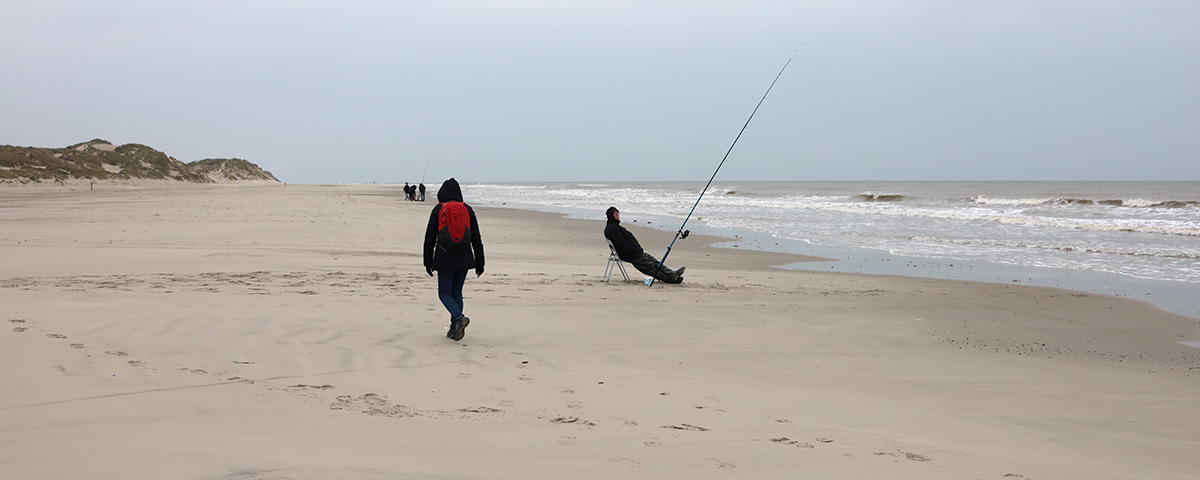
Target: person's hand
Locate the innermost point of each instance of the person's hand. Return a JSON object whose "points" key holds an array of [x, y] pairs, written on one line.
{"points": [[478, 271], [429, 270]]}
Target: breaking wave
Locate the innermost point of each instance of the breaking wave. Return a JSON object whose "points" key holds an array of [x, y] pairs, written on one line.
{"points": [[1131, 203], [885, 197]]}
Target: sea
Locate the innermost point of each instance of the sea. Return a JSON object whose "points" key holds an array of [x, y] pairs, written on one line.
{"points": [[1133, 239]]}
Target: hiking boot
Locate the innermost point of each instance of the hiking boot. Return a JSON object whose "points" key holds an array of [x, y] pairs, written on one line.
{"points": [[459, 329], [679, 273]]}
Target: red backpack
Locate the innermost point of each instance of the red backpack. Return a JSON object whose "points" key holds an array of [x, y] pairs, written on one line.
{"points": [[454, 226]]}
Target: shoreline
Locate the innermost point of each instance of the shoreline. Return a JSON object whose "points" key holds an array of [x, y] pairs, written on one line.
{"points": [[1171, 296], [784, 260], [293, 332]]}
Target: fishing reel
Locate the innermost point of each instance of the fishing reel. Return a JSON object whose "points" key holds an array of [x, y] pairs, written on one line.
{"points": [[684, 234]]}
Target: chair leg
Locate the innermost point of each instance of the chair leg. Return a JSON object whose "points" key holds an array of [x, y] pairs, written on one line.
{"points": [[623, 272]]}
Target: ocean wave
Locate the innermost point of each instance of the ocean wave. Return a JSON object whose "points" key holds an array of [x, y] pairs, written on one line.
{"points": [[982, 200], [1057, 247], [734, 202], [1131, 203], [1176, 226], [1176, 204], [880, 197], [1188, 229], [1140, 203]]}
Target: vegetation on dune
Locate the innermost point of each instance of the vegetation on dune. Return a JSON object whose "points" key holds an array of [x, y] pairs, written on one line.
{"points": [[231, 169], [100, 160]]}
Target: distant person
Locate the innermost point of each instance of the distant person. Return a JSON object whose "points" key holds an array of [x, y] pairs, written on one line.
{"points": [[422, 192], [630, 251], [452, 247], [408, 195]]}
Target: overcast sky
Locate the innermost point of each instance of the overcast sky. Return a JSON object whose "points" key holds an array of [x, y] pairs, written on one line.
{"points": [[489, 91]]}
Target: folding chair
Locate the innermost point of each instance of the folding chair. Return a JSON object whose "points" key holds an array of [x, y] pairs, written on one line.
{"points": [[614, 259]]}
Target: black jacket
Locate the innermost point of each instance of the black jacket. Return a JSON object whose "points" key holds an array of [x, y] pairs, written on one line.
{"points": [[627, 246], [464, 259]]}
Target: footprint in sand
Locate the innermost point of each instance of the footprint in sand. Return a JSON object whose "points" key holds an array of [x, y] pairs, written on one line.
{"points": [[56, 335], [481, 410], [625, 461], [916, 457], [314, 387], [566, 441], [796, 443], [526, 378], [77, 346], [687, 427], [19, 329], [572, 420], [372, 404], [724, 465], [464, 375]]}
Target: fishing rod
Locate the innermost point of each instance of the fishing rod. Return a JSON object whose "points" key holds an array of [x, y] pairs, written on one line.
{"points": [[683, 233]]}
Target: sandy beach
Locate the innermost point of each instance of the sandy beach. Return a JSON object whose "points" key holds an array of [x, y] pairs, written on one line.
{"points": [[290, 332]]}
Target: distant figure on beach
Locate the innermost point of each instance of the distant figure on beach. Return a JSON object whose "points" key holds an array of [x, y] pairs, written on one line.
{"points": [[408, 194], [631, 251], [452, 247], [422, 192]]}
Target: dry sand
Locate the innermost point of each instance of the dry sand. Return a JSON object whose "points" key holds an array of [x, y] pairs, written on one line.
{"points": [[217, 332]]}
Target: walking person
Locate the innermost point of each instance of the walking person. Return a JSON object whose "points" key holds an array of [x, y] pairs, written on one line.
{"points": [[453, 246]]}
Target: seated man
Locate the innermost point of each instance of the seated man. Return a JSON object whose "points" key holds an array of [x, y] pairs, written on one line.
{"points": [[630, 251]]}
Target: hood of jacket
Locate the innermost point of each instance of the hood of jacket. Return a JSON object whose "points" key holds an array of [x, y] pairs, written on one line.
{"points": [[609, 213], [450, 191]]}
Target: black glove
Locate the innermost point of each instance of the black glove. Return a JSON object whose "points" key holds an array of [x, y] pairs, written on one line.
{"points": [[429, 270], [478, 271]]}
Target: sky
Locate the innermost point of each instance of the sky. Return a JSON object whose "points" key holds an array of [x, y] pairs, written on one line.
{"points": [[536, 91]]}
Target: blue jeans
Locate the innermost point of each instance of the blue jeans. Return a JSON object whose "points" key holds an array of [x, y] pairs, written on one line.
{"points": [[450, 287]]}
